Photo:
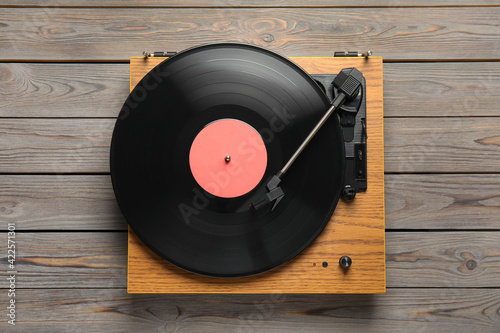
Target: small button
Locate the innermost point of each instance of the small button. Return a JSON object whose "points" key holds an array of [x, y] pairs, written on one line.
{"points": [[325, 264], [345, 262]]}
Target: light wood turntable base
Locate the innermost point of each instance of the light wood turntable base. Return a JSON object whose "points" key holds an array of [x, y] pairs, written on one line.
{"points": [[356, 229]]}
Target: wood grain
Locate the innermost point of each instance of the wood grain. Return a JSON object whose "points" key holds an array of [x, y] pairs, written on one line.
{"points": [[118, 33], [112, 310], [55, 145], [442, 201], [448, 259], [367, 276], [414, 259], [453, 259], [73, 260], [441, 89], [59, 202], [449, 145], [69, 202], [62, 90], [243, 3], [452, 145], [99, 90]]}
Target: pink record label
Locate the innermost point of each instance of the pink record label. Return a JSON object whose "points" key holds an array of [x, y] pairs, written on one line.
{"points": [[228, 158]]}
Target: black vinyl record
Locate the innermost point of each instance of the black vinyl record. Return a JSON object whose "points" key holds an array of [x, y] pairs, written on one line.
{"points": [[163, 203]]}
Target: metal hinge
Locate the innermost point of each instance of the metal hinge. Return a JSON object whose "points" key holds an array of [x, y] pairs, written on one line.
{"points": [[352, 54], [147, 54]]}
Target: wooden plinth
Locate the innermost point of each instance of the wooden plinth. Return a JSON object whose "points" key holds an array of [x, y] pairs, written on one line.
{"points": [[356, 229]]}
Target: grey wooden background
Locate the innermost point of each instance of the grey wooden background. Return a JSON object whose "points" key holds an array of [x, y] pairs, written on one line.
{"points": [[64, 75]]}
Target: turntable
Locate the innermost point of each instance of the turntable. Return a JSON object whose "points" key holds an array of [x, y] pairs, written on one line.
{"points": [[237, 175]]}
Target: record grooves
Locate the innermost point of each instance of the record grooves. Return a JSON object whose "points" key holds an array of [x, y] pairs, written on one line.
{"points": [[162, 201]]}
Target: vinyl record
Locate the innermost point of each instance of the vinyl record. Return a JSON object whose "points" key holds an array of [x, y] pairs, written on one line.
{"points": [[160, 146]]}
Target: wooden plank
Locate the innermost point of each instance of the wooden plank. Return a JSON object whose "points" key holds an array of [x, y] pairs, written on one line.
{"points": [[118, 34], [59, 202], [99, 90], [62, 90], [452, 145], [441, 89], [112, 310], [55, 145], [99, 260], [442, 201], [68, 202], [77, 260], [243, 3], [443, 259]]}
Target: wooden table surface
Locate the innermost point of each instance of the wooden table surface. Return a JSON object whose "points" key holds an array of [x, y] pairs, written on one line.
{"points": [[64, 76]]}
